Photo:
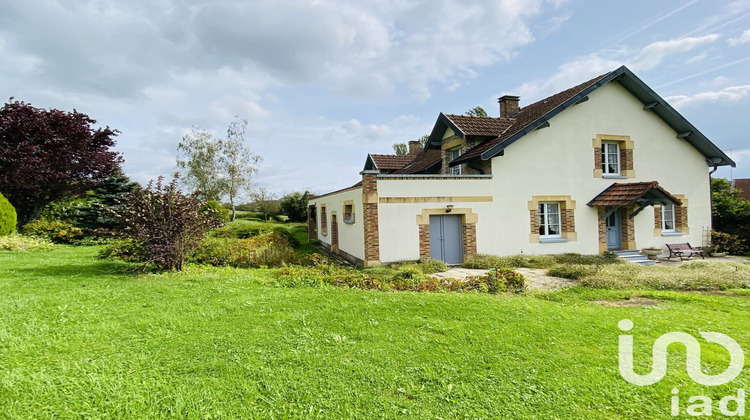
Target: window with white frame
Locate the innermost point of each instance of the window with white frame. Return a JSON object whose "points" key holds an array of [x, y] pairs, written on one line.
{"points": [[453, 154], [549, 220], [667, 218], [611, 158]]}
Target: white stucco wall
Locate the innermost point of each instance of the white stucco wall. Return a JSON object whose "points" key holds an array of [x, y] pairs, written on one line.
{"points": [[399, 231], [351, 236], [558, 160]]}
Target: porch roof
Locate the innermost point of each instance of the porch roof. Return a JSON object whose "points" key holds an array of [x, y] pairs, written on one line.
{"points": [[647, 193]]}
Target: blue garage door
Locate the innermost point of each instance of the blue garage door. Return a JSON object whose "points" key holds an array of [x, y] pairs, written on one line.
{"points": [[445, 239]]}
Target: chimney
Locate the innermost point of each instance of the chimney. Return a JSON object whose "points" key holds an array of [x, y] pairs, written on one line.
{"points": [[414, 147], [508, 105]]}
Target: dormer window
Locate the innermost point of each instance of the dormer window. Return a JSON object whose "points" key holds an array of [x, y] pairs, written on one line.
{"points": [[453, 154]]}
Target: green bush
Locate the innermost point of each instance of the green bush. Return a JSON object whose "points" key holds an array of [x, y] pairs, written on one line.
{"points": [[482, 261], [128, 250], [219, 212], [729, 243], [24, 243], [496, 281], [573, 271], [430, 266], [245, 230], [409, 274], [8, 217], [57, 231], [573, 258], [322, 271], [264, 250], [249, 215], [486, 262]]}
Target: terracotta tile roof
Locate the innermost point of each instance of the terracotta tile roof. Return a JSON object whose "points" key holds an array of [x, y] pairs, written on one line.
{"points": [[390, 162], [744, 186], [526, 116], [627, 194], [422, 161], [480, 126]]}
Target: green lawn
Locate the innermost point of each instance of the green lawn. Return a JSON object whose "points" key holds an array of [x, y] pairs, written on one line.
{"points": [[81, 338]]}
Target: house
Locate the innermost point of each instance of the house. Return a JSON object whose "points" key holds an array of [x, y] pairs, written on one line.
{"points": [[605, 165], [743, 185]]}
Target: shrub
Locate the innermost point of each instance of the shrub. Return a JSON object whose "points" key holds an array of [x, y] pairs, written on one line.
{"points": [[572, 271], [729, 243], [294, 205], [409, 274], [496, 281], [126, 249], [216, 210], [57, 231], [24, 243], [486, 262], [266, 250], [169, 224], [8, 217], [573, 258], [282, 218], [483, 261], [246, 215], [430, 266], [406, 278]]}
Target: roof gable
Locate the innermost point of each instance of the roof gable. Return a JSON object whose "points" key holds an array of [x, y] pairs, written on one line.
{"points": [[387, 162], [538, 114]]}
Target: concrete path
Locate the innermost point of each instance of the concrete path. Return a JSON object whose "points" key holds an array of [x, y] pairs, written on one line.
{"points": [[536, 279]]}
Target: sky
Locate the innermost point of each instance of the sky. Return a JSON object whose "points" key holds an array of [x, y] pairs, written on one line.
{"points": [[322, 83]]}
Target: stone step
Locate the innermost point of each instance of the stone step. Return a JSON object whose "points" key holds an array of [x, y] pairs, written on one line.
{"points": [[634, 257]]}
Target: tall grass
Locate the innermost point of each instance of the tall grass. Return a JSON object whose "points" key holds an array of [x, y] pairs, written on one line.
{"points": [[696, 275]]}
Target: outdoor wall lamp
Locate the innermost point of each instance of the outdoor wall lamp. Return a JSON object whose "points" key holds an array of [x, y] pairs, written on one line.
{"points": [[449, 207]]}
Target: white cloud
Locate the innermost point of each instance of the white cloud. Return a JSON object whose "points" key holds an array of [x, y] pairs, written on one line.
{"points": [[653, 54], [697, 58], [741, 155], [730, 94], [592, 65], [742, 39], [568, 75]]}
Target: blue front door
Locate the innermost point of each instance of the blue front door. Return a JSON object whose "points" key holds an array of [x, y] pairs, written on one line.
{"points": [[614, 231], [445, 239]]}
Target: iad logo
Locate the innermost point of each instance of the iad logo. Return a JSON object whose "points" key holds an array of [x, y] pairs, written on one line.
{"points": [[693, 364]]}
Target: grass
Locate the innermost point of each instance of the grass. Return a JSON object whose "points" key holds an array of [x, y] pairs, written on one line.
{"points": [[80, 338]]}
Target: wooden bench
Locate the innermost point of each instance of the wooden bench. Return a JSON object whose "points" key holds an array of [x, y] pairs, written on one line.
{"points": [[683, 250]]}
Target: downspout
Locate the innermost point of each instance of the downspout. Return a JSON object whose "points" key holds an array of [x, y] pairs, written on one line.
{"points": [[713, 170]]}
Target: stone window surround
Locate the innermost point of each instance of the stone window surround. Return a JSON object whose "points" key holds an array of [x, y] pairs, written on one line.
{"points": [[680, 219], [348, 217], [567, 218], [323, 220], [626, 155]]}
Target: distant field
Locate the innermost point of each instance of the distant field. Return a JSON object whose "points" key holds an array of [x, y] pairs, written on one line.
{"points": [[80, 338]]}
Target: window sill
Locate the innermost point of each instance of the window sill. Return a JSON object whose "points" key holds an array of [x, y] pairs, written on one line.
{"points": [[551, 240], [671, 234], [612, 176], [349, 222]]}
